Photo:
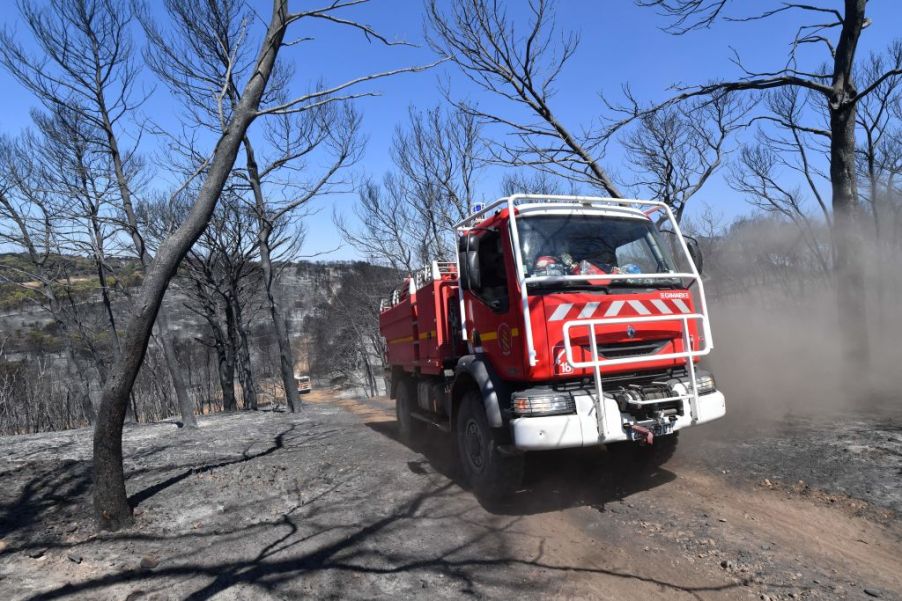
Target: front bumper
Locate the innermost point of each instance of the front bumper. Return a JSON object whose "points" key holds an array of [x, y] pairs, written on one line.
{"points": [[582, 428]]}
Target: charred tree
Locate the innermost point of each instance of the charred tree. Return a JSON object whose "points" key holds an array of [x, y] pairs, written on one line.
{"points": [[110, 498], [333, 128], [521, 67], [836, 87], [90, 46]]}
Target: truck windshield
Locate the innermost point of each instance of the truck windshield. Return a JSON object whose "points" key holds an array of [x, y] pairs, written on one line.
{"points": [[579, 244]]}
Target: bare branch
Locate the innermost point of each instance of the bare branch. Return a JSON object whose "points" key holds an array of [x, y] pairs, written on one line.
{"points": [[302, 103], [485, 45]]}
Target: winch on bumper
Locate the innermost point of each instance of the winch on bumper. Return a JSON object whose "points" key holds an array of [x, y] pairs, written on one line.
{"points": [[543, 418]]}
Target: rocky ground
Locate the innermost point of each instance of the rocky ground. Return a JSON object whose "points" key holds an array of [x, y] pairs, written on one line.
{"points": [[328, 504]]}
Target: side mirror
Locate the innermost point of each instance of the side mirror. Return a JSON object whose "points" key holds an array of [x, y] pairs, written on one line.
{"points": [[695, 252], [468, 258], [474, 280]]}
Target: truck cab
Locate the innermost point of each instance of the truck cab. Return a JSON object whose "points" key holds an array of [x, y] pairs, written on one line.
{"points": [[564, 322]]}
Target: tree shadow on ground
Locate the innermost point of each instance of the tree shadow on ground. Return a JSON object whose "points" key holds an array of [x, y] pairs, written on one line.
{"points": [[351, 550], [53, 488], [552, 481], [56, 495], [306, 540], [149, 491]]}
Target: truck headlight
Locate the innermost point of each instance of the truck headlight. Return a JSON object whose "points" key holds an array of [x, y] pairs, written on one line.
{"points": [[525, 405], [705, 383]]}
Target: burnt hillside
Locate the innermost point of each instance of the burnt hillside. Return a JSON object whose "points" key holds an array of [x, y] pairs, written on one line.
{"points": [[329, 308]]}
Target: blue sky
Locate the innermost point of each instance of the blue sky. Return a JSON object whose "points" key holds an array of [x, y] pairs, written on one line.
{"points": [[620, 44]]}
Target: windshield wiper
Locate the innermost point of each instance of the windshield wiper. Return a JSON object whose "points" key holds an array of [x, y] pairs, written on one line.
{"points": [[648, 283]]}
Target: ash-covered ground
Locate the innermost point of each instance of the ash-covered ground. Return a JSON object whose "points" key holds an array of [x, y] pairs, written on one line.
{"points": [[328, 504], [843, 455]]}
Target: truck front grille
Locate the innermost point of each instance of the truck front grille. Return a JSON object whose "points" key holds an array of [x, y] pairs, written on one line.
{"points": [[629, 349]]}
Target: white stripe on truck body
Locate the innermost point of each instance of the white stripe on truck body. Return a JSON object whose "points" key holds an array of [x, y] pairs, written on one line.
{"points": [[642, 307]]}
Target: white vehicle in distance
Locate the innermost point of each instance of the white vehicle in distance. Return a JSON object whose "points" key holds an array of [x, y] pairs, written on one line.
{"points": [[303, 384]]}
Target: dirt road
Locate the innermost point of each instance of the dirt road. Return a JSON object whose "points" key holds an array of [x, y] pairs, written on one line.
{"points": [[328, 504]]}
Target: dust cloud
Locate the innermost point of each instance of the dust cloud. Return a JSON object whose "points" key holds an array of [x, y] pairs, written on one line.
{"points": [[779, 354]]}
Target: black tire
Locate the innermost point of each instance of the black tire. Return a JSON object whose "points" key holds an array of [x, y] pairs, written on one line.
{"points": [[632, 454], [410, 429], [491, 473]]}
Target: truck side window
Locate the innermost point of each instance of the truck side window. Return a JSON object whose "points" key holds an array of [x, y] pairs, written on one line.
{"points": [[492, 272]]}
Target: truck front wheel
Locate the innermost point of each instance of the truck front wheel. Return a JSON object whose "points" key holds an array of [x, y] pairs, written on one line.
{"points": [[491, 473], [409, 428]]}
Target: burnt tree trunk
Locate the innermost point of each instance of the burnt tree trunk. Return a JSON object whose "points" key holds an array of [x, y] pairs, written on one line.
{"points": [[223, 344], [225, 357], [243, 353], [846, 239], [231, 346], [186, 407], [286, 357], [111, 504]]}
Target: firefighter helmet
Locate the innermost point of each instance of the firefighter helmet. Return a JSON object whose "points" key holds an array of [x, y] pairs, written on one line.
{"points": [[544, 261]]}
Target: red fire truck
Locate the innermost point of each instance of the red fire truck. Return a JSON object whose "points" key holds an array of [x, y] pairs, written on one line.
{"points": [[565, 322]]}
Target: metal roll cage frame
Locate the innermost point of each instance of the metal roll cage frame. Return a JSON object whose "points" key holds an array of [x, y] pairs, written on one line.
{"points": [[628, 208]]}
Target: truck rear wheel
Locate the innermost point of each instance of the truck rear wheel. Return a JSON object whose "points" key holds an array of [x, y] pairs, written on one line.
{"points": [[491, 473]]}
